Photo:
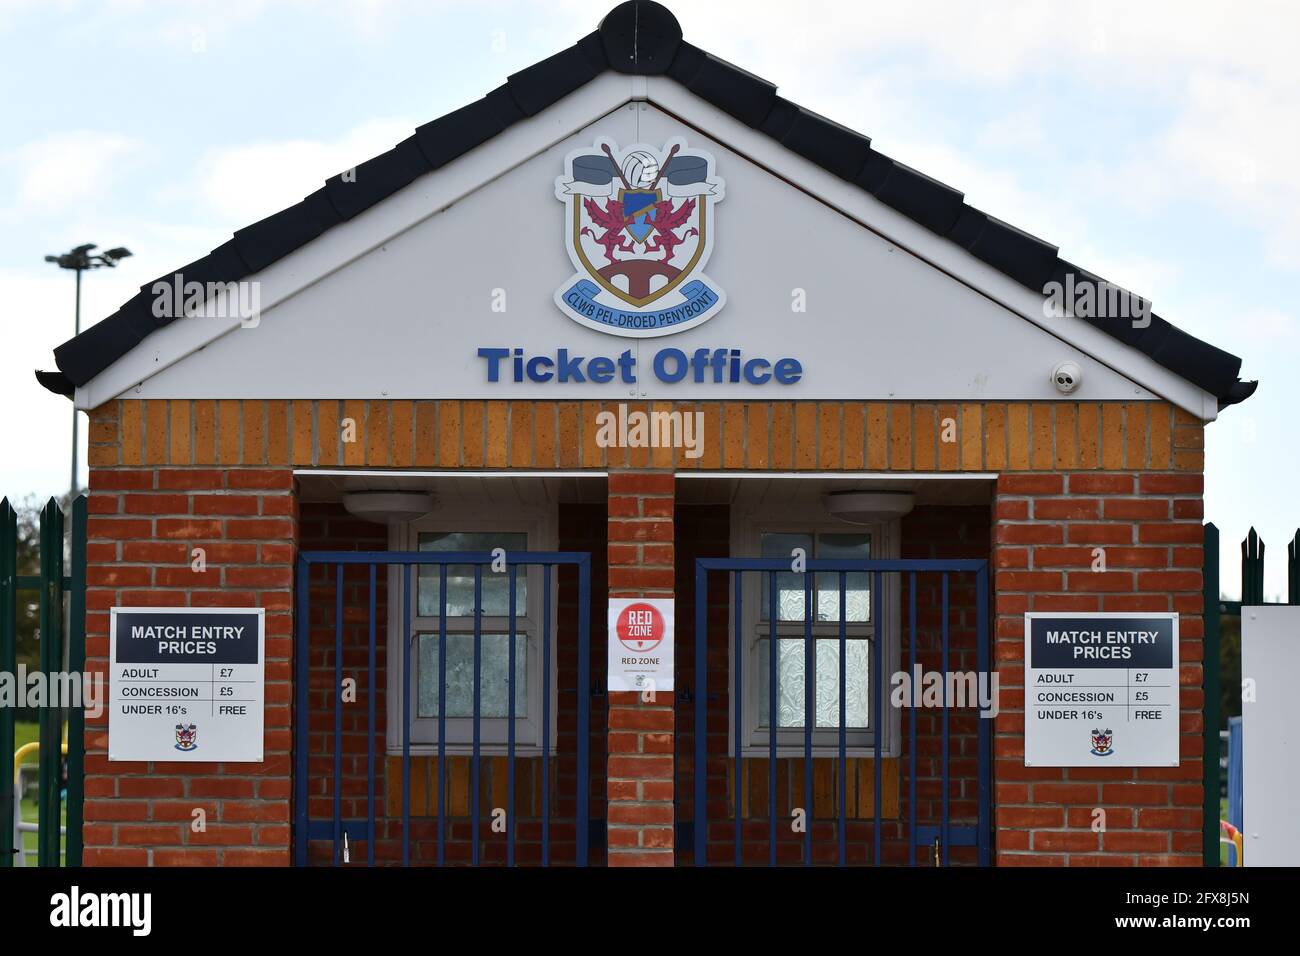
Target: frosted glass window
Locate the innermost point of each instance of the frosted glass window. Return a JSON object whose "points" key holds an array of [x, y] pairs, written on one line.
{"points": [[790, 599], [790, 672], [460, 577], [494, 668]]}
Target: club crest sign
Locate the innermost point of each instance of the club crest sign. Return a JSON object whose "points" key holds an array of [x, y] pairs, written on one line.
{"points": [[639, 226]]}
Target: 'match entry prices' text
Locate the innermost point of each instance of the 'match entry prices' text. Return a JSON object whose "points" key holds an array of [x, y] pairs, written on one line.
{"points": [[1101, 645]]}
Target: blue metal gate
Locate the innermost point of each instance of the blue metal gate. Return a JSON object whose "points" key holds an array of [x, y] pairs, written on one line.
{"points": [[341, 832], [939, 835]]}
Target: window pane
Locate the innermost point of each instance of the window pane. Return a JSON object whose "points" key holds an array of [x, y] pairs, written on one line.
{"points": [[844, 547], [789, 586], [831, 547], [826, 690], [493, 675], [460, 577]]}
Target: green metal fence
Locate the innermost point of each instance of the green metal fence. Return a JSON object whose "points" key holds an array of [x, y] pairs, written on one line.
{"points": [[62, 643], [1216, 610]]}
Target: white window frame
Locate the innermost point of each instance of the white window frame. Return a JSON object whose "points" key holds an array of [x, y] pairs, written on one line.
{"points": [[540, 526], [747, 528]]}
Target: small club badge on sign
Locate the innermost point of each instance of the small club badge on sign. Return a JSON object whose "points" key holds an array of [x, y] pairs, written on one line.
{"points": [[641, 644]]}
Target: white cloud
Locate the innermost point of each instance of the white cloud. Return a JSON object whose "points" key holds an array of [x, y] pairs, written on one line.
{"points": [[38, 430], [242, 184], [57, 171]]}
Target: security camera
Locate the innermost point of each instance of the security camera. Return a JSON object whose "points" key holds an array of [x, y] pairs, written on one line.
{"points": [[1066, 377]]}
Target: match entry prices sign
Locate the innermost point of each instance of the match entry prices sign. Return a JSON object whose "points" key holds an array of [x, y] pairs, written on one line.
{"points": [[186, 684], [641, 644], [1101, 690]]}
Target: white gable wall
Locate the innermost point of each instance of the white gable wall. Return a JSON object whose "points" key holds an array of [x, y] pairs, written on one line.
{"points": [[405, 319]]}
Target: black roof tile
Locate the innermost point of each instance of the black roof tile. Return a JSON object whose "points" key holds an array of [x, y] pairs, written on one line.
{"points": [[743, 95], [915, 195], [1025, 258], [542, 84], [640, 37], [458, 132], [643, 38], [356, 190]]}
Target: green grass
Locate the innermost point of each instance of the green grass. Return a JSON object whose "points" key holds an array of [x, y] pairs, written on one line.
{"points": [[26, 732]]}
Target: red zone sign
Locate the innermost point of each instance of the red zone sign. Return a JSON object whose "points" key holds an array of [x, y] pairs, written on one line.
{"points": [[641, 644]]}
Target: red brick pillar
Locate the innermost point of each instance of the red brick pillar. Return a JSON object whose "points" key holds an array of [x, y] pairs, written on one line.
{"points": [[1049, 529], [640, 785], [145, 526]]}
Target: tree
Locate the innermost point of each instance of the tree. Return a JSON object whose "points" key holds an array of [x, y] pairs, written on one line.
{"points": [[29, 564]]}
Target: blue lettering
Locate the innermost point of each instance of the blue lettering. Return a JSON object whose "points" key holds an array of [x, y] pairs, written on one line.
{"points": [[494, 357], [788, 371], [661, 365], [570, 369], [538, 362], [754, 377]]}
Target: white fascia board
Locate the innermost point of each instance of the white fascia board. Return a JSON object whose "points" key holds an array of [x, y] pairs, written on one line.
{"points": [[943, 254], [437, 190], [346, 242]]}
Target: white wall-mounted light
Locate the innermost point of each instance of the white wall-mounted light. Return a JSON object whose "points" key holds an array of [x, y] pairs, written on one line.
{"points": [[867, 507], [388, 506]]}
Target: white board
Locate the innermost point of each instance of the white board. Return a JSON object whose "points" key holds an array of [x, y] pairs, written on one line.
{"points": [[1270, 734], [641, 644], [1101, 690], [186, 684]]}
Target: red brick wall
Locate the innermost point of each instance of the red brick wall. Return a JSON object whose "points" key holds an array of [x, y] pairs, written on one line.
{"points": [[929, 532], [1149, 526], [327, 527], [640, 786], [144, 525]]}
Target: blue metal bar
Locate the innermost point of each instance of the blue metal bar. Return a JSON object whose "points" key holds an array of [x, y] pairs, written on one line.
{"points": [[944, 842], [370, 728], [443, 557], [844, 718], [738, 691], [442, 714], [407, 684], [338, 714], [510, 730], [822, 564], [546, 715], [701, 712], [927, 833], [771, 718], [584, 700], [809, 712], [303, 628], [478, 704], [911, 720], [876, 729], [985, 723]]}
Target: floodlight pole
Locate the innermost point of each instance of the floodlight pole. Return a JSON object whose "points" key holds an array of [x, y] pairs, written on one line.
{"points": [[79, 260], [76, 331]]}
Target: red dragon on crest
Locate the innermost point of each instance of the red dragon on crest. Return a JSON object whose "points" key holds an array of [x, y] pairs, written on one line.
{"points": [[652, 224], [665, 220]]}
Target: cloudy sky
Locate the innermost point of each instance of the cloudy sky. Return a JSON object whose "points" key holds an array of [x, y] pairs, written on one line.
{"points": [[1154, 142]]}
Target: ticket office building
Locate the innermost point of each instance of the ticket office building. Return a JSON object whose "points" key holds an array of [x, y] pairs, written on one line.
{"points": [[646, 329]]}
